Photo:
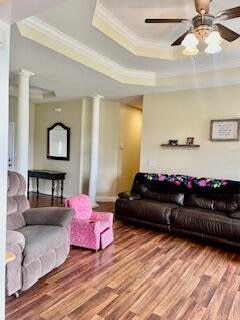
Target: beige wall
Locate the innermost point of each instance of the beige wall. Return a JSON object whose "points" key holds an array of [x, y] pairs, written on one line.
{"points": [[77, 115], [188, 113], [119, 125], [46, 117], [129, 146]]}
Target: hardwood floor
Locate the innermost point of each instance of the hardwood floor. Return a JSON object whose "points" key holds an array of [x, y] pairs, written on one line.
{"points": [[142, 275]]}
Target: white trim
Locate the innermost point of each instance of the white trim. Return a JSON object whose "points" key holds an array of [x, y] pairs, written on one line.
{"points": [[11, 146], [53, 33], [48, 192], [81, 138], [103, 13], [106, 15], [202, 84], [4, 102], [233, 63], [118, 26], [68, 195], [106, 199], [73, 44]]}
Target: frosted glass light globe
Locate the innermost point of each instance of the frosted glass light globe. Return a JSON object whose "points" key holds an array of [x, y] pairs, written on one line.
{"points": [[190, 41], [214, 37], [213, 48]]}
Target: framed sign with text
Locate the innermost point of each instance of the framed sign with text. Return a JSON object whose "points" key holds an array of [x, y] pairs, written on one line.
{"points": [[225, 130]]}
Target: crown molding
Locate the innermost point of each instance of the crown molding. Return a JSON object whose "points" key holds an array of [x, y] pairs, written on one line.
{"points": [[232, 64], [45, 34], [104, 21], [103, 13], [111, 26]]}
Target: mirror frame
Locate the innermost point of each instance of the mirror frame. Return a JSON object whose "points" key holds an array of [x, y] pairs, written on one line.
{"points": [[68, 142]]}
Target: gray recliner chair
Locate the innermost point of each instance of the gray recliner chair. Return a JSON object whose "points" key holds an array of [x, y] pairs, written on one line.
{"points": [[39, 238]]}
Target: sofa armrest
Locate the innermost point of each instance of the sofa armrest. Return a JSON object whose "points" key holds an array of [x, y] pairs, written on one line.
{"points": [[15, 243], [14, 238], [103, 216], [129, 195], [86, 226], [54, 216]]}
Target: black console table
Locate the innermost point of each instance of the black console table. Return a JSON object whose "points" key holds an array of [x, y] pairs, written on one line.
{"points": [[47, 175]]}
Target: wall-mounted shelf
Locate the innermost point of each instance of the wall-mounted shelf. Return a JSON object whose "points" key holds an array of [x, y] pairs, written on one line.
{"points": [[180, 145]]}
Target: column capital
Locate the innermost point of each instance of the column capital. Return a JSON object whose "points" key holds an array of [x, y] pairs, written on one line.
{"points": [[24, 73], [97, 97]]}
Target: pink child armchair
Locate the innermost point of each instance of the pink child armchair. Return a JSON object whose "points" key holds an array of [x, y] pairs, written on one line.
{"points": [[89, 229]]}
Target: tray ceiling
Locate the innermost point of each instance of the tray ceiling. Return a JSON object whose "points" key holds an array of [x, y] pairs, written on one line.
{"points": [[58, 44]]}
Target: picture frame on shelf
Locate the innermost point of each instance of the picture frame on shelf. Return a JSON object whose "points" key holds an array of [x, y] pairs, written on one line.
{"points": [[190, 141], [173, 142], [224, 130]]}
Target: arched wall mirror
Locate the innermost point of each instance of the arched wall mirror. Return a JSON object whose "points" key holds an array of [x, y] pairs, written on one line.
{"points": [[58, 142]]}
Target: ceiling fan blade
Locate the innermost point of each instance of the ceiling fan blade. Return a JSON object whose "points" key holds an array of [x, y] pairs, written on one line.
{"points": [[180, 39], [229, 14], [202, 5], [227, 33], [166, 20]]}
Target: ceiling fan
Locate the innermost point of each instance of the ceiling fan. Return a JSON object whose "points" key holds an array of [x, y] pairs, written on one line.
{"points": [[204, 26]]}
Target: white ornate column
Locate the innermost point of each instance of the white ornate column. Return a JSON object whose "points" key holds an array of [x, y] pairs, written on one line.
{"points": [[94, 149], [22, 125]]}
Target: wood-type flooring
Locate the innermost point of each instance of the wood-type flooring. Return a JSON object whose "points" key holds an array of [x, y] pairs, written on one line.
{"points": [[144, 274]]}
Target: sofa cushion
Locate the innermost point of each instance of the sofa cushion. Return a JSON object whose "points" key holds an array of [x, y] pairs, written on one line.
{"points": [[225, 205], [217, 202], [177, 198], [235, 215], [205, 221], [195, 200], [145, 210], [39, 239]]}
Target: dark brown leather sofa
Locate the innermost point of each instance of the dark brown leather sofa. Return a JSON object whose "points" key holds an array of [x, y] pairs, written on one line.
{"points": [[204, 208]]}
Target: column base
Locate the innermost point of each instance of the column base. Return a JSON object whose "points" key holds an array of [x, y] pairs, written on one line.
{"points": [[95, 205]]}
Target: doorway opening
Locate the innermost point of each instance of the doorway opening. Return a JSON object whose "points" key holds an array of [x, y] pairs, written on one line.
{"points": [[129, 146]]}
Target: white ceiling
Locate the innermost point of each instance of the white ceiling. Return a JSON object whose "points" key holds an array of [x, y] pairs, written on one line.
{"points": [[15, 10], [79, 27], [133, 13], [71, 80], [55, 72]]}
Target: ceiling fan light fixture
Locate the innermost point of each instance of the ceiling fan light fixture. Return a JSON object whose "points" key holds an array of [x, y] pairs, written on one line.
{"points": [[204, 27], [191, 51], [214, 38], [190, 41], [213, 48]]}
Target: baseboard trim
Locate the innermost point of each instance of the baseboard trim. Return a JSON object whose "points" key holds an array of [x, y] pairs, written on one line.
{"points": [[106, 199], [98, 199], [49, 193]]}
